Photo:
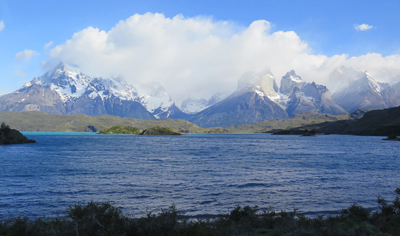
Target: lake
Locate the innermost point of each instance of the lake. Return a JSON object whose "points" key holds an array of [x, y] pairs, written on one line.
{"points": [[202, 174]]}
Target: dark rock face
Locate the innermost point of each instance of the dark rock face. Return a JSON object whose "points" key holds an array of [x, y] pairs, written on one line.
{"points": [[298, 104], [320, 95], [312, 97]]}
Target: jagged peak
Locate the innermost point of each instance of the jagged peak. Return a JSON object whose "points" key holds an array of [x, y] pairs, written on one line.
{"points": [[291, 75]]}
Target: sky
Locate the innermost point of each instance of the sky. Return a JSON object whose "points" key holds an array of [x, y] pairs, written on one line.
{"points": [[198, 48]]}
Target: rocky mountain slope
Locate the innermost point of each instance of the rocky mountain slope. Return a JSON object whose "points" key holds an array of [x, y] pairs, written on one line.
{"points": [[304, 96], [258, 98], [251, 102]]}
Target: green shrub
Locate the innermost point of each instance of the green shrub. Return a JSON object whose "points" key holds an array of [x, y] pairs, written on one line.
{"points": [[103, 219]]}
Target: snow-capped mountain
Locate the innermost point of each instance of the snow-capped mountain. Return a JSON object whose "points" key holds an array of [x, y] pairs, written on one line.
{"points": [[251, 102], [362, 92], [258, 98], [66, 90]]}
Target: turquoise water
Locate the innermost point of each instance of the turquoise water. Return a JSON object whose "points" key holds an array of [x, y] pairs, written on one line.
{"points": [[201, 174], [35, 133]]}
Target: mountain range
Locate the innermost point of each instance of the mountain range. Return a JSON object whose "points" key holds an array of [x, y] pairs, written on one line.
{"points": [[66, 90]]}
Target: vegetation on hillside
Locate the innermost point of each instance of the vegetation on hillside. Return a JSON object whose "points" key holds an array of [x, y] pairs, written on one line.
{"points": [[12, 136], [102, 218], [160, 131], [384, 122], [122, 130], [298, 120], [133, 130], [41, 121]]}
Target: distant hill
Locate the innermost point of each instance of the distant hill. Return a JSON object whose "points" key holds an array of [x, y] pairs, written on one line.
{"points": [[298, 120], [42, 121], [384, 122]]}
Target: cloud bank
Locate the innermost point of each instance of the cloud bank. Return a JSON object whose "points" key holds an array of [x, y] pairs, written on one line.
{"points": [[363, 27], [2, 25], [25, 55], [198, 57]]}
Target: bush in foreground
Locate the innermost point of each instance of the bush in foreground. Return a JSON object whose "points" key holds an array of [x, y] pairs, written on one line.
{"points": [[101, 218]]}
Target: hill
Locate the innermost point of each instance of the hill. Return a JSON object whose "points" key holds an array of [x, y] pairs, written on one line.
{"points": [[298, 120], [384, 122], [42, 121]]}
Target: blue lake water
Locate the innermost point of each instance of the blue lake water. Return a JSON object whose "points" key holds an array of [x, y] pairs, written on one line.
{"points": [[200, 174]]}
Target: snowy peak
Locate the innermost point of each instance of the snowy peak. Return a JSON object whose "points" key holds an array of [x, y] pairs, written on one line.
{"points": [[291, 75], [362, 92], [358, 82], [313, 91], [289, 82], [68, 83]]}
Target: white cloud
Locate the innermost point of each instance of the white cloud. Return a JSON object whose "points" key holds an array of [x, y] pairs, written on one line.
{"points": [[2, 25], [198, 56], [363, 27], [25, 55], [48, 45]]}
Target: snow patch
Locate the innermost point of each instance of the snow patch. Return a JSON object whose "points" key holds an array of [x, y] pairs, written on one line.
{"points": [[153, 96], [373, 84], [296, 79]]}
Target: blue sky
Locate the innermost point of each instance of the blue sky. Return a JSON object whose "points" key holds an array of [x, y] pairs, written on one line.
{"points": [[327, 27]]}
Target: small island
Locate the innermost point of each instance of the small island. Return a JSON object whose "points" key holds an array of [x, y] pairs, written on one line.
{"points": [[136, 131], [122, 130], [12, 136]]}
